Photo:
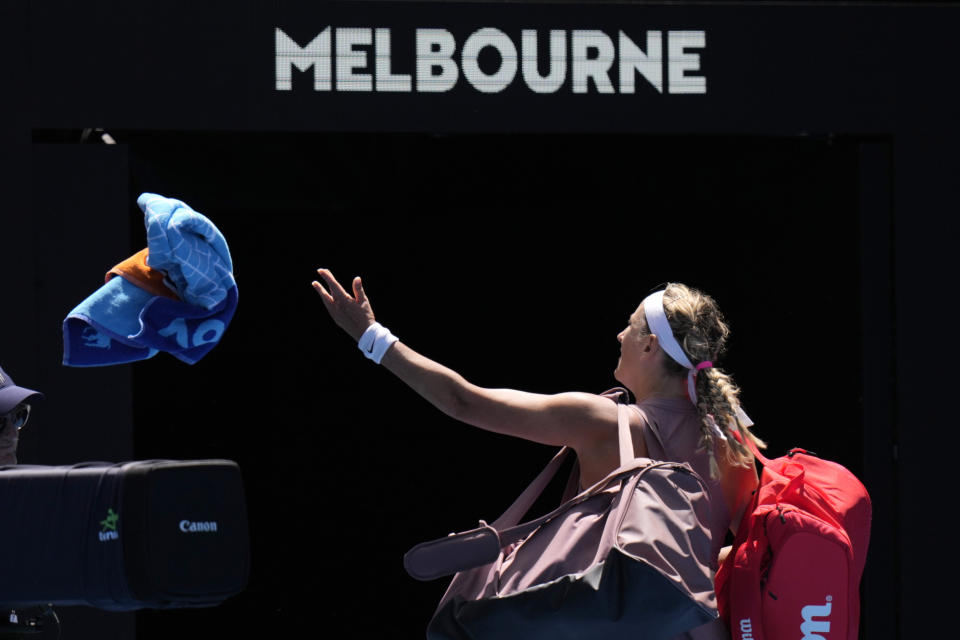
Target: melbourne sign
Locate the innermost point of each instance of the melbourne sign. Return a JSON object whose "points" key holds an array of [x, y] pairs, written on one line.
{"points": [[489, 60]]}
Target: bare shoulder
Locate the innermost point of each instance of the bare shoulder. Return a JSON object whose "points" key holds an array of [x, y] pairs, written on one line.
{"points": [[581, 418], [583, 399], [599, 409], [585, 406], [599, 449]]}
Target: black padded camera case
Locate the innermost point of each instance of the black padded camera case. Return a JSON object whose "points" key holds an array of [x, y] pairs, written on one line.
{"points": [[144, 534]]}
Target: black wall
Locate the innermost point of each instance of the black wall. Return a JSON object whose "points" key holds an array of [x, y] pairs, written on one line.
{"points": [[525, 284]]}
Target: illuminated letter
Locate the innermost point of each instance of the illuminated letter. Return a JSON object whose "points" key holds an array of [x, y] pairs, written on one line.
{"points": [[508, 60], [386, 81], [585, 67], [349, 59], [649, 64], [316, 55], [558, 61], [435, 49], [680, 61]]}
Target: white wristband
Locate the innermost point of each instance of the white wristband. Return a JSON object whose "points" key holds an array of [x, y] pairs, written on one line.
{"points": [[376, 341]]}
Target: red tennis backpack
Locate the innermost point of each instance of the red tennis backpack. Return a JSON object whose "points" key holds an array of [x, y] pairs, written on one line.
{"points": [[795, 566]]}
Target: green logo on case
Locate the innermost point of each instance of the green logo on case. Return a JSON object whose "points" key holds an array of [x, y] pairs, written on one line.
{"points": [[109, 526]]}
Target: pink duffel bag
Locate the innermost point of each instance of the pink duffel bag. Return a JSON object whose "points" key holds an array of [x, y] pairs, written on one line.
{"points": [[628, 557]]}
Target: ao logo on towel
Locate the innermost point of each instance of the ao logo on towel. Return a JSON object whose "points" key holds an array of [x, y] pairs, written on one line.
{"points": [[206, 332]]}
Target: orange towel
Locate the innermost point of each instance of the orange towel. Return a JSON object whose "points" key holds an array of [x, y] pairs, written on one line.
{"points": [[136, 271]]}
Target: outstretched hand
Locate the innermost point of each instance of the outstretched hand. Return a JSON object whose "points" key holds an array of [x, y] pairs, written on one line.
{"points": [[352, 313]]}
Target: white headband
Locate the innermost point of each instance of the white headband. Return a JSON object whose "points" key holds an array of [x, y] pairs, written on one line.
{"points": [[660, 327]]}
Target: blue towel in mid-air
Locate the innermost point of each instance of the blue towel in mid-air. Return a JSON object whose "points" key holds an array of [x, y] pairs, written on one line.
{"points": [[187, 246], [134, 315]]}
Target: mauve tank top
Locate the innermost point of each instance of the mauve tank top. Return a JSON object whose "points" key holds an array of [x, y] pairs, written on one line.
{"points": [[678, 424]]}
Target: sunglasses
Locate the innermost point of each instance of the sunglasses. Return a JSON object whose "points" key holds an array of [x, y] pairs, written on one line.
{"points": [[16, 418]]}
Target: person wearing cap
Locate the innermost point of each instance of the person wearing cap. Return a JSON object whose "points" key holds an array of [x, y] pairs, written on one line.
{"points": [[669, 355], [14, 412]]}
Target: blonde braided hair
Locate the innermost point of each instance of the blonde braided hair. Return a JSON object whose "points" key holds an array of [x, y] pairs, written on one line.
{"points": [[700, 329]]}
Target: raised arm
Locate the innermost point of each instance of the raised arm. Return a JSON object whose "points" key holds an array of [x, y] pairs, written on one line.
{"points": [[579, 420]]}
